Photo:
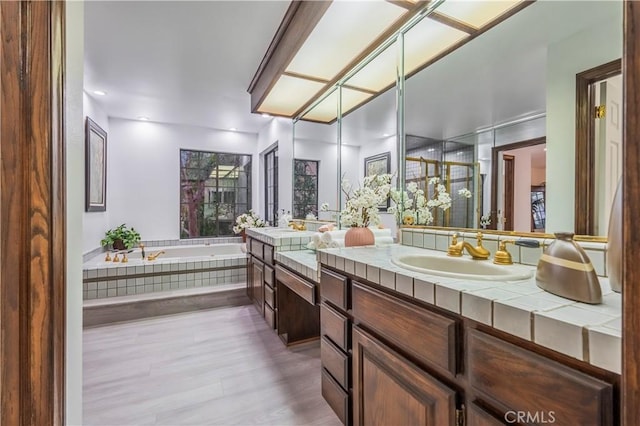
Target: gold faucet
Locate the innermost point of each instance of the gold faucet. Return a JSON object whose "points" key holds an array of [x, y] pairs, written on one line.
{"points": [[478, 252], [155, 256], [298, 226], [502, 256]]}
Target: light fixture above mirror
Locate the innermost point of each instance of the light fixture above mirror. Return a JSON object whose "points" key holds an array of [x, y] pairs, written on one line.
{"points": [[318, 43]]}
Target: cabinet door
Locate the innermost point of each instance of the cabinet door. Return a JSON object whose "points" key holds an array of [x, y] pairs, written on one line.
{"points": [[390, 390], [257, 280]]}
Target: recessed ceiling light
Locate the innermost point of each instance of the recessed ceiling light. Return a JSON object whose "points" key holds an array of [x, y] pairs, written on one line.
{"points": [[386, 135], [99, 92], [143, 118], [233, 129], [459, 153], [431, 149]]}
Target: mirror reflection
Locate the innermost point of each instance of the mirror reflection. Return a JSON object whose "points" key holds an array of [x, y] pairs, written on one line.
{"points": [[502, 109]]}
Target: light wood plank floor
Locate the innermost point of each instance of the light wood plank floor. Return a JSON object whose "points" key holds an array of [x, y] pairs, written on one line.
{"points": [[217, 367]]}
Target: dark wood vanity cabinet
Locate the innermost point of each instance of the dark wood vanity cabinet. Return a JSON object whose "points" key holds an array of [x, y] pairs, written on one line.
{"points": [[335, 343], [390, 360], [261, 287]]}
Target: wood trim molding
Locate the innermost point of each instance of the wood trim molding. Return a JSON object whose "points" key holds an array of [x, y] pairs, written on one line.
{"points": [[585, 144], [300, 19], [495, 152], [32, 208], [630, 389], [453, 23]]}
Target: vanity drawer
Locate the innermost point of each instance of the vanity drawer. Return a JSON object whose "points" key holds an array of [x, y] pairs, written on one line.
{"points": [[335, 361], [423, 334], [269, 277], [333, 288], [336, 397], [269, 296], [270, 316], [525, 381], [335, 326], [256, 247], [302, 288], [268, 253]]}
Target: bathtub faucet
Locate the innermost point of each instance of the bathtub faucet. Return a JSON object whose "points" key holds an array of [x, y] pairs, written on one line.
{"points": [[155, 256], [142, 250]]}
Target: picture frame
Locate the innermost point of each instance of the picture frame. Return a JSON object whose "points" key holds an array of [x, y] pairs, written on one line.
{"points": [[95, 167], [378, 164]]}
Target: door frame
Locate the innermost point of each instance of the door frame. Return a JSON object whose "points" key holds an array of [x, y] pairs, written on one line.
{"points": [[585, 151], [32, 208], [495, 153]]}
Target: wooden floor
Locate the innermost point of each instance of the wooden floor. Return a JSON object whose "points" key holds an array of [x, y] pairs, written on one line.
{"points": [[215, 367]]}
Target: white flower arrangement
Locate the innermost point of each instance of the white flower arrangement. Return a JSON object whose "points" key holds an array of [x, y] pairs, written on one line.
{"points": [[412, 206], [248, 220], [485, 220], [361, 207]]}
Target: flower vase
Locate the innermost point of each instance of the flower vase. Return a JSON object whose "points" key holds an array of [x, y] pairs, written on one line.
{"points": [[359, 236], [244, 236]]}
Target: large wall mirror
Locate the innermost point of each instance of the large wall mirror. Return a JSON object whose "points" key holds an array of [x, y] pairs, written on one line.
{"points": [[497, 116], [503, 107]]}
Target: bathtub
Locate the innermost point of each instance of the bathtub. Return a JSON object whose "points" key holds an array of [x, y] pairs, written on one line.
{"points": [[179, 267]]}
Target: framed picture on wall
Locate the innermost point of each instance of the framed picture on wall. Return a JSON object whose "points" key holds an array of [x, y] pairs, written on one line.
{"points": [[95, 167], [377, 165]]}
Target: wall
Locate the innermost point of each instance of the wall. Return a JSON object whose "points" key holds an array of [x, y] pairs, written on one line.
{"points": [[278, 130], [327, 154], [74, 159], [565, 59], [94, 224], [522, 188], [143, 186]]}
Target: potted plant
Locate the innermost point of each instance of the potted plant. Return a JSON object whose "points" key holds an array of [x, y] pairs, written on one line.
{"points": [[121, 238], [361, 208]]}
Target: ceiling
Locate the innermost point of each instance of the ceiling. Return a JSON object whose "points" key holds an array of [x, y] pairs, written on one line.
{"points": [[191, 63], [179, 61]]}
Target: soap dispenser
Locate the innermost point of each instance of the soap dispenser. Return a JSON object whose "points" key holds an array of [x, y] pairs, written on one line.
{"points": [[565, 270]]}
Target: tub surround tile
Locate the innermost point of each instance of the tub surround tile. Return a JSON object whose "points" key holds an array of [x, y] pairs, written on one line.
{"points": [[442, 242]]}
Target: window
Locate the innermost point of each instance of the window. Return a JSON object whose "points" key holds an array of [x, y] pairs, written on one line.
{"points": [[271, 186], [214, 189], [305, 188]]}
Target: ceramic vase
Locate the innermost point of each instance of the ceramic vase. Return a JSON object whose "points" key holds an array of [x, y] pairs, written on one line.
{"points": [[357, 236], [565, 270], [244, 236], [614, 242]]}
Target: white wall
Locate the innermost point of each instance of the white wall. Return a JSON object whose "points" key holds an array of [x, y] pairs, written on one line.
{"points": [[278, 130], [95, 224], [580, 52], [143, 186], [522, 188], [74, 158]]}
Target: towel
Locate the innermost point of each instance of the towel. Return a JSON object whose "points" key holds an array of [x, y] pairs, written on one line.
{"points": [[383, 241]]}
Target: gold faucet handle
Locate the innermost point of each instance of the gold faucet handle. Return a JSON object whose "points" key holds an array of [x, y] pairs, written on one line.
{"points": [[108, 258], [479, 239], [502, 256], [454, 239], [124, 258], [115, 258]]}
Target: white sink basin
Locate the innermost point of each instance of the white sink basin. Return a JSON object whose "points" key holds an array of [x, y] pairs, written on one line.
{"points": [[462, 267]]}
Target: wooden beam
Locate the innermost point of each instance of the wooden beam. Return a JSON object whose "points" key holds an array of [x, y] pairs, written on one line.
{"points": [[32, 229], [630, 389], [453, 23], [300, 19]]}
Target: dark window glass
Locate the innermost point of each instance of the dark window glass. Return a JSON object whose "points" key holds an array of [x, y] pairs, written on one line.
{"points": [[305, 188], [214, 189]]}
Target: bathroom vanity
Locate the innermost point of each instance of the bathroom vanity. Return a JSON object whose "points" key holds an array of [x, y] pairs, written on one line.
{"points": [[403, 347]]}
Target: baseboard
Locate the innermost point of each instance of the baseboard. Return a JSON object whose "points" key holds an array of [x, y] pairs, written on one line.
{"points": [[130, 310]]}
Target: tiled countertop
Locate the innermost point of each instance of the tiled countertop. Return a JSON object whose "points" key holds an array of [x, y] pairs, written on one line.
{"points": [[591, 333], [282, 239], [304, 262]]}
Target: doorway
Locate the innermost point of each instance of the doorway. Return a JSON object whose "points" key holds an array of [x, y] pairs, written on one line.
{"points": [[518, 186]]}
